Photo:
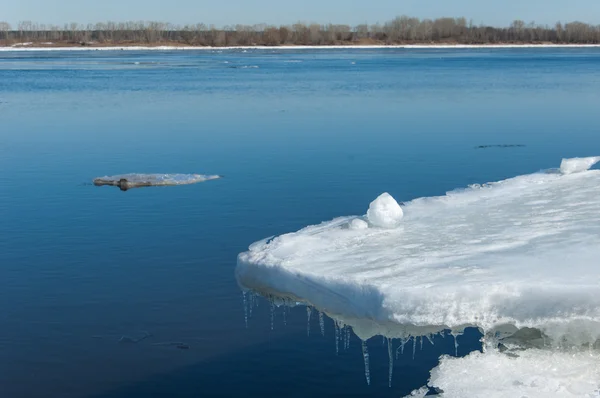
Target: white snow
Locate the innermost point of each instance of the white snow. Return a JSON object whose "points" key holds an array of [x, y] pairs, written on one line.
{"points": [[384, 212], [367, 47], [533, 374], [357, 223], [523, 251], [576, 165]]}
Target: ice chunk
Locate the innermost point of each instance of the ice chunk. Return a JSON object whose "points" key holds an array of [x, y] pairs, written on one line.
{"points": [[420, 393], [134, 180], [357, 223], [521, 252], [533, 373], [576, 165], [384, 211]]}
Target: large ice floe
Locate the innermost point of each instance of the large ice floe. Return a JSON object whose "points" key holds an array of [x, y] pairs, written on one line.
{"points": [[519, 259], [135, 180]]}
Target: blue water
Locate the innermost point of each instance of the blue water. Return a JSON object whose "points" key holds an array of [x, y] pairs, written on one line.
{"points": [[298, 143]]}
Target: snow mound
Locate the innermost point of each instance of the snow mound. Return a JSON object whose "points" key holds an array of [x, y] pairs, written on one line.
{"points": [[357, 223], [134, 180], [577, 165], [521, 252], [532, 373], [384, 211]]}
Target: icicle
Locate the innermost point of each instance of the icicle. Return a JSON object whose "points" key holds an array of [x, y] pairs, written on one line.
{"points": [[391, 356], [322, 323], [455, 346], [455, 335], [245, 309], [308, 312], [401, 348], [285, 310], [337, 337], [382, 340], [347, 337], [251, 303], [430, 338], [365, 352], [490, 342], [414, 346], [421, 341], [272, 311]]}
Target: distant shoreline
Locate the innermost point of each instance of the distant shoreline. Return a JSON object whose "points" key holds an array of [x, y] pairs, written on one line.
{"points": [[400, 32], [26, 47]]}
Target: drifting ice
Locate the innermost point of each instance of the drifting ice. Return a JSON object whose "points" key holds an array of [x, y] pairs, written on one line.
{"points": [[134, 180], [504, 256]]}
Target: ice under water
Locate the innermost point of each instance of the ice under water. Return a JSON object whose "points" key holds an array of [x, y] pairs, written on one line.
{"points": [[492, 257]]}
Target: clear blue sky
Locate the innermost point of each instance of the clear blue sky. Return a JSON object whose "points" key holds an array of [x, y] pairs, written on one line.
{"points": [[224, 12]]}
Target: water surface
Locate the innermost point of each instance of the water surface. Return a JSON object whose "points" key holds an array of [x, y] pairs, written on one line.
{"points": [[301, 137]]}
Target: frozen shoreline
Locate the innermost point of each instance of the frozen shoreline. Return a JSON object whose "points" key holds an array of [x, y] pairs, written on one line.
{"points": [[21, 47]]}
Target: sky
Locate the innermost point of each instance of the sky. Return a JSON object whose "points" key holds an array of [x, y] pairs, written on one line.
{"points": [[277, 12]]}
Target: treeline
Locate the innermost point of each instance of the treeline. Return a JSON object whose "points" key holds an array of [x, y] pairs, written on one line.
{"points": [[401, 30]]}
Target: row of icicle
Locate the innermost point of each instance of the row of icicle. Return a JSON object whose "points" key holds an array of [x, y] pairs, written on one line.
{"points": [[342, 332]]}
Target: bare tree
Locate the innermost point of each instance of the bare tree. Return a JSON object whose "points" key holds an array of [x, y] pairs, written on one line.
{"points": [[402, 29]]}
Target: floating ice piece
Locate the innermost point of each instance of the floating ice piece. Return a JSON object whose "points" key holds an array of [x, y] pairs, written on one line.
{"points": [[576, 165], [521, 252], [532, 373], [134, 180], [384, 211], [500, 146]]}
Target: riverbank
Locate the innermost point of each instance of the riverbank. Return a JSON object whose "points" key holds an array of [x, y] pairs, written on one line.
{"points": [[139, 47]]}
